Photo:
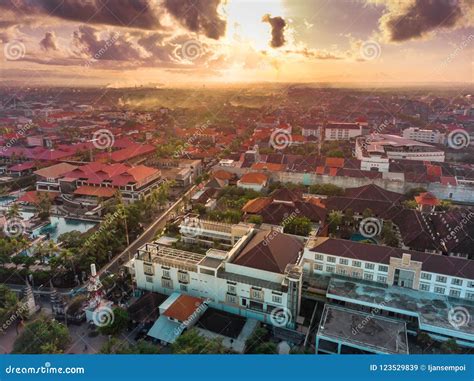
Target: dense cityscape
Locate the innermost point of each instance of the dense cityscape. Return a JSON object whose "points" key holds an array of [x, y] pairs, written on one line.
{"points": [[268, 216]]}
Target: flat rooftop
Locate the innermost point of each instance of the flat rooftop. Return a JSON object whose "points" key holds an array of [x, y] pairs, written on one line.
{"points": [[433, 310], [363, 330]]}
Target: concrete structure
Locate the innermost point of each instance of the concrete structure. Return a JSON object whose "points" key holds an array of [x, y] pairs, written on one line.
{"points": [[342, 131], [426, 136]]}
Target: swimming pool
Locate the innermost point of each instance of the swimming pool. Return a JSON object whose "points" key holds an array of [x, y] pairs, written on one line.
{"points": [[61, 225], [357, 237]]}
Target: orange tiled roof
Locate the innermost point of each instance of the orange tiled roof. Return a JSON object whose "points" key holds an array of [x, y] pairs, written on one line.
{"points": [[254, 178], [268, 166], [427, 198], [87, 190], [335, 162], [223, 175], [256, 205]]}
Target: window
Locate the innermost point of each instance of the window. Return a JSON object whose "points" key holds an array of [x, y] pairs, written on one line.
{"points": [[276, 299], [166, 273], [455, 293], [369, 266], [469, 295], [256, 293], [441, 279], [357, 263], [356, 274], [424, 286], [456, 282], [231, 289], [330, 269], [166, 283], [318, 267], [319, 257], [426, 276], [439, 290], [183, 287], [331, 259], [149, 279], [382, 279], [470, 284], [231, 299], [368, 276], [344, 261], [383, 268], [148, 269], [341, 271], [183, 277]]}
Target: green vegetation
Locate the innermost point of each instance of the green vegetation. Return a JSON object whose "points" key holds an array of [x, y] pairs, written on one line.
{"points": [[117, 324], [42, 336], [326, 189], [122, 347], [298, 226], [259, 342], [388, 234], [255, 219]]}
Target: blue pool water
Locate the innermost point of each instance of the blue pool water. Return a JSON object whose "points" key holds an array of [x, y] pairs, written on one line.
{"points": [[60, 225], [357, 237]]}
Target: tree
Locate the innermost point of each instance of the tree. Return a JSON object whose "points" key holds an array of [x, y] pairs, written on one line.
{"points": [[44, 206], [267, 348], [13, 212], [367, 213], [414, 192], [335, 219], [191, 342], [255, 219], [424, 340], [260, 335], [388, 234], [42, 336], [117, 324], [298, 226], [450, 346], [410, 204], [117, 346], [8, 303]]}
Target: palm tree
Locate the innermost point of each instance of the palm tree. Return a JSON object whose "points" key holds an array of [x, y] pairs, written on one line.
{"points": [[13, 212]]}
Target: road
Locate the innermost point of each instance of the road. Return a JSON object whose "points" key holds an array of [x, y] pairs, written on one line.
{"points": [[114, 265]]}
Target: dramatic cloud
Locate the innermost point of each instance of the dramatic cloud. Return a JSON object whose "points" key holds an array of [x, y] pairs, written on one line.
{"points": [[406, 21], [278, 25], [117, 47], [141, 14], [198, 16], [49, 42]]}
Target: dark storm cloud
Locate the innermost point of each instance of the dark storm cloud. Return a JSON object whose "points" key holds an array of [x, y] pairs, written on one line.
{"points": [[143, 14], [116, 47], [49, 42], [422, 17], [278, 25], [198, 16]]}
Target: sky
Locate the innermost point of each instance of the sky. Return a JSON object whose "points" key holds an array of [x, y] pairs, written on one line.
{"points": [[121, 43]]}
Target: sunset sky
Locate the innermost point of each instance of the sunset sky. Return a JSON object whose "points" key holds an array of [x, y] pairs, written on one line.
{"points": [[143, 42]]}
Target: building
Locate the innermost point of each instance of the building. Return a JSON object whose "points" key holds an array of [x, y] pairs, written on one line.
{"points": [[258, 277], [254, 181], [312, 130], [426, 136], [342, 130], [377, 150], [422, 289]]}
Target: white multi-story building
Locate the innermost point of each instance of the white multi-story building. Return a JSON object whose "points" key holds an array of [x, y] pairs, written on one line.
{"points": [[258, 278], [426, 136], [342, 131]]}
